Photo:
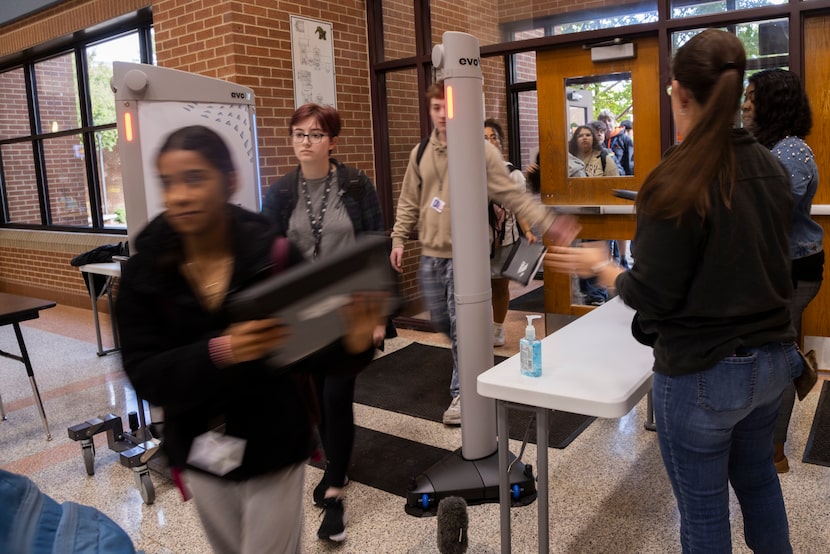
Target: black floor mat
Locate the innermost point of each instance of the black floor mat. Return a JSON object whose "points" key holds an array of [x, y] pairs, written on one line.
{"points": [[817, 450], [415, 381], [533, 301], [387, 462]]}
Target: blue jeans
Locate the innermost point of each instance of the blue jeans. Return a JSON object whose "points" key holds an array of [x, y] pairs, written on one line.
{"points": [[438, 288], [715, 428]]}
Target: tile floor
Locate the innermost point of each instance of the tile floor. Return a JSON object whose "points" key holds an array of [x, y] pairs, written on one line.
{"points": [[609, 492]]}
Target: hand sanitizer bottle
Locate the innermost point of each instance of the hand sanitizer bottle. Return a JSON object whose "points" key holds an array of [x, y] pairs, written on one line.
{"points": [[530, 350]]}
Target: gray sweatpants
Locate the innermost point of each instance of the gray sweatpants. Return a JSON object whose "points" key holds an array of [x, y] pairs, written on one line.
{"points": [[258, 516]]}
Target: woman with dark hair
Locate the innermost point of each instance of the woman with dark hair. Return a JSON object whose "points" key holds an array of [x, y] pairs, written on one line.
{"points": [[711, 289], [322, 205], [776, 110], [585, 145], [242, 429]]}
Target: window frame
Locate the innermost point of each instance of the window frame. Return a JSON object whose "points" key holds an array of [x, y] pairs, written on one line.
{"points": [[139, 22]]}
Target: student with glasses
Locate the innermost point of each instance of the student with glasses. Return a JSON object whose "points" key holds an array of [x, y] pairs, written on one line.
{"points": [[322, 205]]}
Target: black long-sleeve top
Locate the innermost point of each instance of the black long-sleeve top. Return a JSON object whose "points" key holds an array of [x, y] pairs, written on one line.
{"points": [[704, 288], [164, 333]]}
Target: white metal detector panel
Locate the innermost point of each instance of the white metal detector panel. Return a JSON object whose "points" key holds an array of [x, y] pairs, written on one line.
{"points": [[152, 102], [231, 121]]}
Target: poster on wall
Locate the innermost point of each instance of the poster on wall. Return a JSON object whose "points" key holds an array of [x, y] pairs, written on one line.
{"points": [[312, 56]]}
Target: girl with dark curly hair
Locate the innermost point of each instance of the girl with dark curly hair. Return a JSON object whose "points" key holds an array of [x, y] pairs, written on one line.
{"points": [[776, 110]]}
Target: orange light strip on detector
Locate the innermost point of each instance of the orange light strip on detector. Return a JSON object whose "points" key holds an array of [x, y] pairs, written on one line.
{"points": [[128, 126], [450, 107]]}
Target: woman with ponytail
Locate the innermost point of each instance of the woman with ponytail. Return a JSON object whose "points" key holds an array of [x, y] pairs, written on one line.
{"points": [[711, 288]]}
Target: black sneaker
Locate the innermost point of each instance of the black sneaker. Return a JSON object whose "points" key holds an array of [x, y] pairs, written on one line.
{"points": [[333, 527], [320, 490]]}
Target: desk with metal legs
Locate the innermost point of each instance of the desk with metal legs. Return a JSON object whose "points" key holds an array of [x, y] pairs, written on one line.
{"points": [[13, 310], [112, 271], [592, 366]]}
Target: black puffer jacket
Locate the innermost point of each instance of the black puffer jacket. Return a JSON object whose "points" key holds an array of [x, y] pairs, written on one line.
{"points": [[164, 342]]}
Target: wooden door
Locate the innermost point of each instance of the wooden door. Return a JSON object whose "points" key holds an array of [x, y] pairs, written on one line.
{"points": [[816, 319], [556, 70]]}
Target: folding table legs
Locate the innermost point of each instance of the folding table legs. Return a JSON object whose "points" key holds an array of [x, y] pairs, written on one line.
{"points": [[24, 357]]}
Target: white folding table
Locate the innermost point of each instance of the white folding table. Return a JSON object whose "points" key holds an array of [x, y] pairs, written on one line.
{"points": [[592, 366], [112, 271]]}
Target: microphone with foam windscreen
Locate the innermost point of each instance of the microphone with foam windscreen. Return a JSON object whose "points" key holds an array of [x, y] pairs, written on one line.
{"points": [[452, 525]]}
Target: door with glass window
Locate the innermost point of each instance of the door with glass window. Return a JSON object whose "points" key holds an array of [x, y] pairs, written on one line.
{"points": [[573, 91]]}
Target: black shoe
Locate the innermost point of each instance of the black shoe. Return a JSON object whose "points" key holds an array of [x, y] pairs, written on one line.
{"points": [[333, 527], [320, 490]]}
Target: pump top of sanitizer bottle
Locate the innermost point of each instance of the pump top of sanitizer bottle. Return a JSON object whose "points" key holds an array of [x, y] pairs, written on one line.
{"points": [[530, 330]]}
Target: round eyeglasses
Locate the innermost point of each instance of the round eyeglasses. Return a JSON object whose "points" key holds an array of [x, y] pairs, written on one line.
{"points": [[315, 137]]}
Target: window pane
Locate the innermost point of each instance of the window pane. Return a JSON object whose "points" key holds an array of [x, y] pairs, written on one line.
{"points": [[518, 20], [57, 94], [152, 59], [398, 29], [109, 172], [402, 98], [99, 58], [529, 125], [694, 8], [19, 183], [67, 180], [766, 42], [525, 62], [14, 110]]}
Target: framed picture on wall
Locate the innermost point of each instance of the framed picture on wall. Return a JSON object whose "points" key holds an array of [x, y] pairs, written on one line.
{"points": [[312, 57]]}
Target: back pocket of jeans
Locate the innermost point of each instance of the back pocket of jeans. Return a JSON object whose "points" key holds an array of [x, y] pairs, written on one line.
{"points": [[729, 385]]}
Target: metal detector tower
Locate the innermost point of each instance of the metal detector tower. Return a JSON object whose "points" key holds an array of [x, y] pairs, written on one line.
{"points": [[150, 103], [471, 473]]}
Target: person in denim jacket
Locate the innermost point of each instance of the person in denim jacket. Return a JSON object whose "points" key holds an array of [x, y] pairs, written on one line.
{"points": [[776, 110]]}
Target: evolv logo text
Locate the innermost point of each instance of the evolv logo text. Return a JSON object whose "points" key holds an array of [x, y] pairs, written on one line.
{"points": [[468, 61], [238, 95]]}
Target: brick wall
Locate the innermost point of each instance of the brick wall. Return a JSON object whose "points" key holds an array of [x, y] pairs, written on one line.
{"points": [[249, 43]]}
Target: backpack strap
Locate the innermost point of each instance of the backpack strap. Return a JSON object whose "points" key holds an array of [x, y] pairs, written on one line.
{"points": [[287, 195], [354, 182], [420, 154]]}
